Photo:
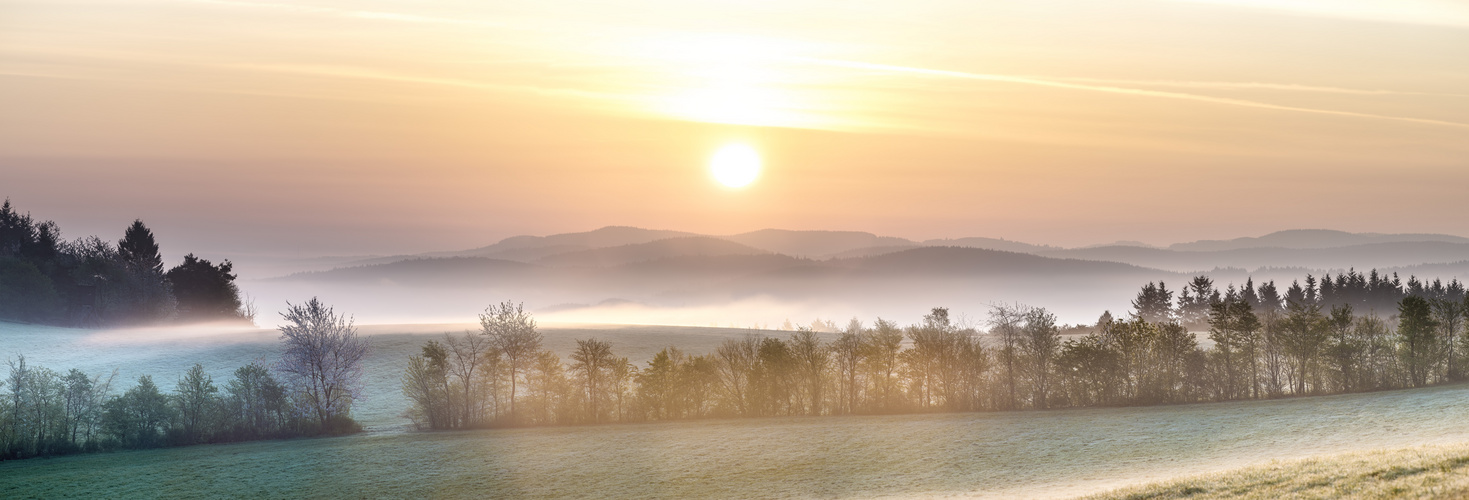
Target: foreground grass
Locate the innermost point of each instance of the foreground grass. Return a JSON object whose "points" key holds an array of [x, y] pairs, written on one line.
{"points": [[1050, 454], [1423, 472]]}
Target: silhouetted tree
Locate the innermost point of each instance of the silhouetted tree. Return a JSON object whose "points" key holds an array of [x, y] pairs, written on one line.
{"points": [[205, 290], [1154, 303]]}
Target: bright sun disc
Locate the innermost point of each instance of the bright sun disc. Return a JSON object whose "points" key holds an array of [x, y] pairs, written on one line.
{"points": [[736, 165]]}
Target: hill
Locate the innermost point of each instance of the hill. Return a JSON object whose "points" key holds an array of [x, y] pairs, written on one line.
{"points": [[1311, 239], [533, 247], [813, 243], [1361, 256], [691, 246]]}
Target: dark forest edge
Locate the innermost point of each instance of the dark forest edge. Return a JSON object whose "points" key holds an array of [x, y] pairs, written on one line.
{"points": [[1325, 337], [309, 391], [90, 282]]}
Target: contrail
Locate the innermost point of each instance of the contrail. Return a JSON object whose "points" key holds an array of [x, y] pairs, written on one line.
{"points": [[1115, 90]]}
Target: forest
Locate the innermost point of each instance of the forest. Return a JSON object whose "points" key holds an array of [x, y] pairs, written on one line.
{"points": [[91, 282], [1347, 333]]}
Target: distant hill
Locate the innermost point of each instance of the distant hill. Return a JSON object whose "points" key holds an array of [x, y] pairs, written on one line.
{"points": [[959, 261], [654, 250], [990, 244], [1361, 257], [538, 246], [1312, 238], [456, 271], [813, 243]]}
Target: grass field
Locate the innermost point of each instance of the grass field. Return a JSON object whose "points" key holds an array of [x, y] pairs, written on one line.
{"points": [[998, 455], [1018, 454], [1419, 472]]}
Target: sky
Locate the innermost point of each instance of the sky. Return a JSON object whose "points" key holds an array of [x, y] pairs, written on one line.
{"points": [[318, 127]]}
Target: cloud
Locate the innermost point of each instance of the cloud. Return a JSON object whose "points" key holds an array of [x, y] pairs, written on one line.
{"points": [[1424, 12], [1058, 83]]}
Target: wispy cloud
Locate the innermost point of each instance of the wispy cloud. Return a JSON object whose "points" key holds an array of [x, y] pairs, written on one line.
{"points": [[369, 74], [1425, 12], [1056, 83], [1247, 86]]}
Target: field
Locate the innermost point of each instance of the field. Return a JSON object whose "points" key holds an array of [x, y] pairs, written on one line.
{"points": [[1026, 454], [1418, 472]]}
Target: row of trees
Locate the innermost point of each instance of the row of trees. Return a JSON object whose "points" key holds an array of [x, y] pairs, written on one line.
{"points": [[91, 282], [1371, 292], [1248, 349], [310, 391]]}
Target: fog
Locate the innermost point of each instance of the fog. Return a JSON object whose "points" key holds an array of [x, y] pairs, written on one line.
{"points": [[774, 279]]}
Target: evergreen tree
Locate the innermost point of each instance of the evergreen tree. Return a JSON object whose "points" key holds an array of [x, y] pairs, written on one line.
{"points": [[138, 248]]}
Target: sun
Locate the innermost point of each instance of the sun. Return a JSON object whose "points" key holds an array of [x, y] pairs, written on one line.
{"points": [[735, 165]]}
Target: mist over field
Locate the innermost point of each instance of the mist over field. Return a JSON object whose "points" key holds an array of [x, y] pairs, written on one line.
{"points": [[765, 278]]}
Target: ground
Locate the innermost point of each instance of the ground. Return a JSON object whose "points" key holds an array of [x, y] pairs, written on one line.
{"points": [[1038, 454]]}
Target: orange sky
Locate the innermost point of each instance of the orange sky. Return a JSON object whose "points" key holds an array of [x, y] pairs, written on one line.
{"points": [[308, 127]]}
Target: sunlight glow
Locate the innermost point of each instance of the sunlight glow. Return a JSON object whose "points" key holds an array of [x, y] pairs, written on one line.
{"points": [[735, 165], [736, 80]]}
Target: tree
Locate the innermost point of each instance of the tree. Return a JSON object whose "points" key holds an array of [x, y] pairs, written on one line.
{"points": [[138, 249], [1417, 337], [512, 332], [204, 290], [471, 356], [1007, 322], [1448, 312], [257, 403], [620, 376], [1154, 303], [846, 354], [322, 361], [811, 358], [1194, 302], [426, 384], [735, 368], [1343, 350], [592, 361], [196, 403], [880, 349], [1040, 341], [1304, 338], [139, 418]]}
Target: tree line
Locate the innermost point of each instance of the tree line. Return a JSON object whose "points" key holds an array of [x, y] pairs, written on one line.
{"points": [[309, 391], [93, 282], [1246, 342]]}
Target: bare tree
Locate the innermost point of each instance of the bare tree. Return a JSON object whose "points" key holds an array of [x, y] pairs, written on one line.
{"points": [[812, 358], [591, 360], [469, 354], [737, 360], [513, 333], [1007, 323], [322, 362]]}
